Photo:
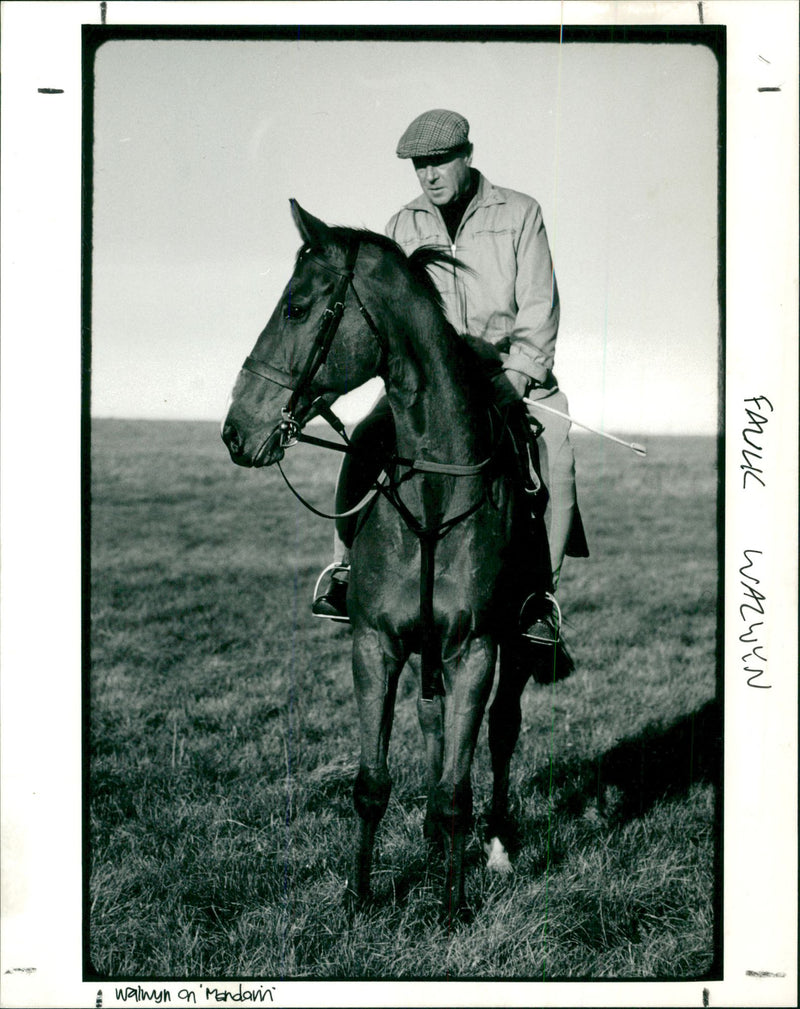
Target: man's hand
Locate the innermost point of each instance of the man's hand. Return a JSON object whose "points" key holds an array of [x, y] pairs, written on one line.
{"points": [[520, 381]]}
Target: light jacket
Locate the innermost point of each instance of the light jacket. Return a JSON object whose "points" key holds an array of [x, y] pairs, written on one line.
{"points": [[511, 299]]}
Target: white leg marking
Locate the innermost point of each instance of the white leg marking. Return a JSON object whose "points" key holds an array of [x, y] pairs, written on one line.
{"points": [[497, 857]]}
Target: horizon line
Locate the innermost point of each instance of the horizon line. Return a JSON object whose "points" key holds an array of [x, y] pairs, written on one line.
{"points": [[318, 421]]}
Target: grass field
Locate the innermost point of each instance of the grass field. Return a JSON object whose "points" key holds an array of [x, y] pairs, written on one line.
{"points": [[223, 736]]}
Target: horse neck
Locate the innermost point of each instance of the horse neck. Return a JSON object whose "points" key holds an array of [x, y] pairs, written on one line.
{"points": [[433, 391]]}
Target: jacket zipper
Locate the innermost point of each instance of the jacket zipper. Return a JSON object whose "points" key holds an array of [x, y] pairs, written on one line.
{"points": [[460, 293]]}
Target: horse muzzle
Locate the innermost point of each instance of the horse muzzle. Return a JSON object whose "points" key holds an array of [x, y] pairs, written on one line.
{"points": [[264, 453]]}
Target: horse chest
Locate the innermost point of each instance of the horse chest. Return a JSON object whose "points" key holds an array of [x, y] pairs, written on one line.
{"points": [[386, 581]]}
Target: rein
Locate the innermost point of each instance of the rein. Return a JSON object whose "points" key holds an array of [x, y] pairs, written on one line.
{"points": [[413, 465]]}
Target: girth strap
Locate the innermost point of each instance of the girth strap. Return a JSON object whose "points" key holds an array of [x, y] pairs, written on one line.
{"points": [[430, 658]]}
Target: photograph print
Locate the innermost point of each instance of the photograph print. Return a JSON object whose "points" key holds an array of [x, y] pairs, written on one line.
{"points": [[461, 289]]}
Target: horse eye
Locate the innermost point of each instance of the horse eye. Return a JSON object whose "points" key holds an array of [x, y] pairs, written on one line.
{"points": [[295, 312]]}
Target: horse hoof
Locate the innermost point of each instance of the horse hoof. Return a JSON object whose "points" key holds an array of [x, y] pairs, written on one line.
{"points": [[354, 902], [497, 859]]}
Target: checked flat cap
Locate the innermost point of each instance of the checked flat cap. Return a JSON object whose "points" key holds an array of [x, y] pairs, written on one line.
{"points": [[433, 133]]}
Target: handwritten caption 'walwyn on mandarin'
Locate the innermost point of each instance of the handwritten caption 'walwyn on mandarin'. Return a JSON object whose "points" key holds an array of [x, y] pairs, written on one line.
{"points": [[203, 995]]}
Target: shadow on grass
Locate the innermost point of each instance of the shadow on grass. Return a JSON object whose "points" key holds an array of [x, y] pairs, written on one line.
{"points": [[626, 781], [661, 762]]}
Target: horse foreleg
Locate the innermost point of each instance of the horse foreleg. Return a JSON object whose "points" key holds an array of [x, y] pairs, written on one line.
{"points": [[505, 717], [431, 721], [376, 669], [468, 681], [363, 867]]}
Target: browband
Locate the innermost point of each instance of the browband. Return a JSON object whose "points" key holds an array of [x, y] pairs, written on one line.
{"points": [[347, 272]]}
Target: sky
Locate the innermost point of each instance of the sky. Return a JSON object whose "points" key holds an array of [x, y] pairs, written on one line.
{"points": [[199, 146]]}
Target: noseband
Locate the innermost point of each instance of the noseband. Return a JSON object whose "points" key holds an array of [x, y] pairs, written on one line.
{"points": [[290, 426]]}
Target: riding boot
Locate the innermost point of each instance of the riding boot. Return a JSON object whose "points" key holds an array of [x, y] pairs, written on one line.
{"points": [[539, 619], [333, 602]]}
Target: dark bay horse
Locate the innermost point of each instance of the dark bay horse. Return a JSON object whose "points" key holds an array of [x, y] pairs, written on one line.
{"points": [[356, 307]]}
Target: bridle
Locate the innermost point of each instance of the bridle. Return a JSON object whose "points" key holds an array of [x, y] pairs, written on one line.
{"points": [[290, 426]]}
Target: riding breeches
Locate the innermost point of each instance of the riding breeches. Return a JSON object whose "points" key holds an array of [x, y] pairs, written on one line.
{"points": [[562, 519]]}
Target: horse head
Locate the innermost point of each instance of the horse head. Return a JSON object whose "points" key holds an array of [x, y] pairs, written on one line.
{"points": [[319, 343]]}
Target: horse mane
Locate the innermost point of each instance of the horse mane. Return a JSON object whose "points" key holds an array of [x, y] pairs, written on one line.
{"points": [[422, 259], [418, 263], [470, 359]]}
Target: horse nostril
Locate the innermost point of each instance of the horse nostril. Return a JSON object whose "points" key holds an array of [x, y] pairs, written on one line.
{"points": [[232, 439]]}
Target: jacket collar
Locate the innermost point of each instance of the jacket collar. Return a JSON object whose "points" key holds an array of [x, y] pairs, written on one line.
{"points": [[486, 195]]}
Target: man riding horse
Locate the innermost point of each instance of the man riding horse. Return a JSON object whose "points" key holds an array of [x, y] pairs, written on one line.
{"points": [[505, 295]]}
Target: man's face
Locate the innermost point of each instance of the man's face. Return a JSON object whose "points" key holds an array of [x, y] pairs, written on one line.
{"points": [[443, 178]]}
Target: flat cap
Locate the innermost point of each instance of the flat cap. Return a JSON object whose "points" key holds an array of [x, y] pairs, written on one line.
{"points": [[433, 133]]}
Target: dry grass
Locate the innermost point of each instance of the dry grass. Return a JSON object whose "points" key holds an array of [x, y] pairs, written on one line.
{"points": [[223, 737]]}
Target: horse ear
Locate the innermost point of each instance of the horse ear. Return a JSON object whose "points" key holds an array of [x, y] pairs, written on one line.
{"points": [[313, 231]]}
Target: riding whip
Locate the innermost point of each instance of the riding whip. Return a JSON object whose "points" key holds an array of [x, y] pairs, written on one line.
{"points": [[632, 445]]}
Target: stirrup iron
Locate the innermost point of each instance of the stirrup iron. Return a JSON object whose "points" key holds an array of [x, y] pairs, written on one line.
{"points": [[556, 610], [334, 566]]}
